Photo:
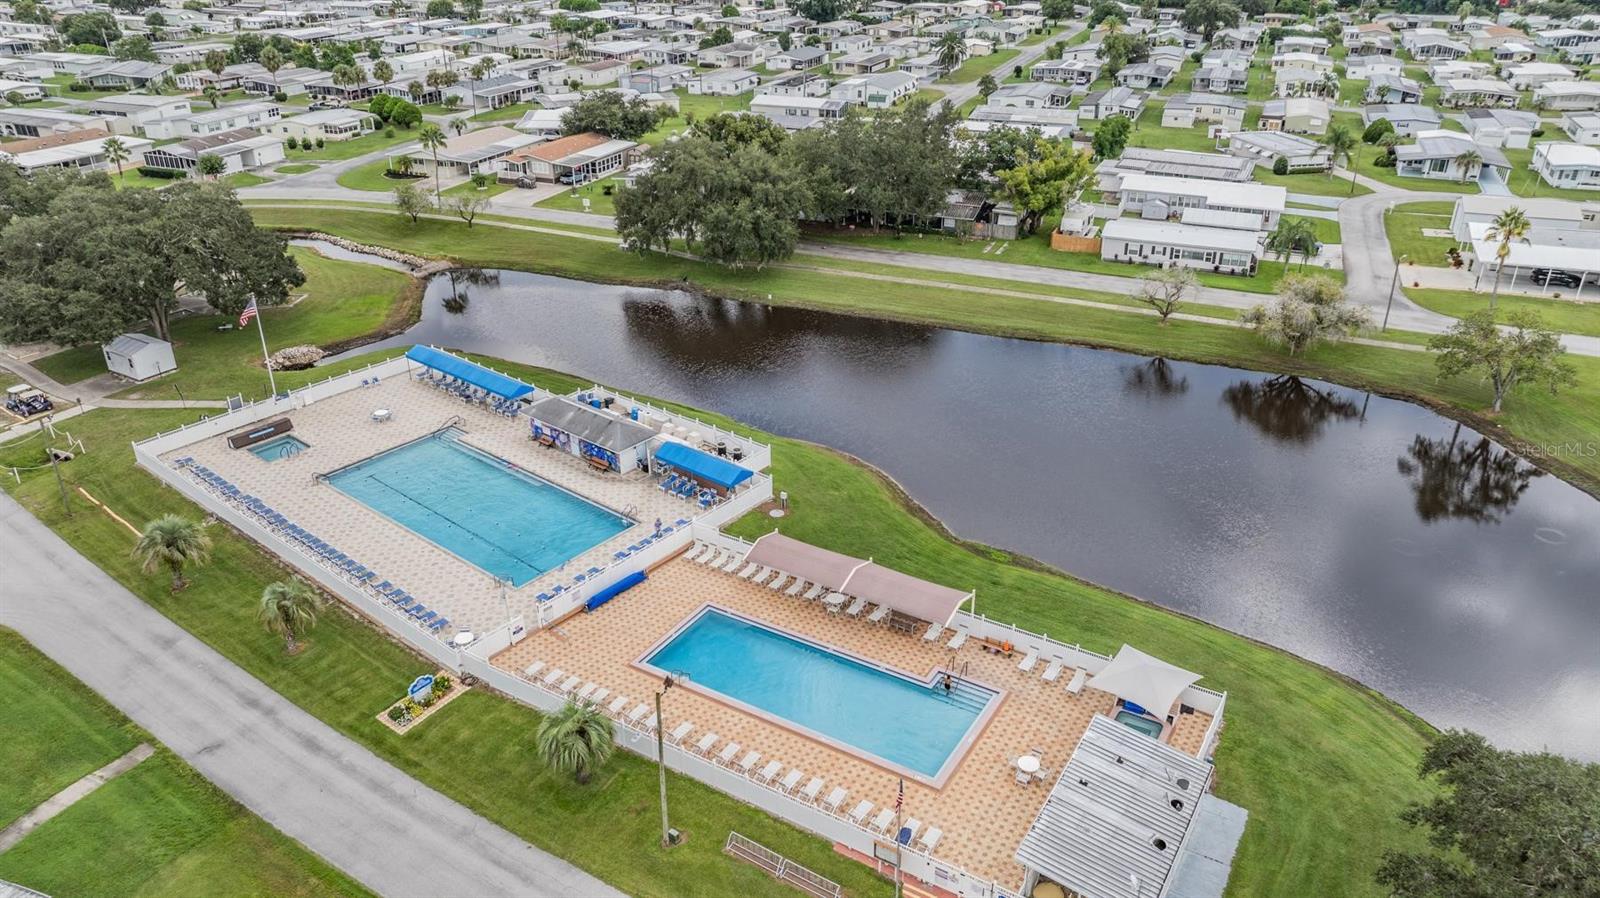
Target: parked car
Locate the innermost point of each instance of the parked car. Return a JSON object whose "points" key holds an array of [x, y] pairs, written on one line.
{"points": [[326, 103], [1555, 277], [25, 401]]}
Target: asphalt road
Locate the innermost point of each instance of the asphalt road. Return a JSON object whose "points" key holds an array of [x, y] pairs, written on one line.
{"points": [[337, 798]]}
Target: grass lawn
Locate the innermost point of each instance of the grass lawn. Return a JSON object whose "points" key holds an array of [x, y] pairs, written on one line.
{"points": [[467, 188], [1312, 183], [160, 829], [335, 150], [244, 179], [1564, 315], [131, 178], [600, 203], [978, 66], [296, 168], [343, 301], [509, 113], [370, 176], [1405, 224], [1148, 132], [1533, 416], [1327, 231], [697, 106], [1524, 181]]}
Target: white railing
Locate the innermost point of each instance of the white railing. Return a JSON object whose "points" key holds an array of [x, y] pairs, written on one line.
{"points": [[781, 867], [757, 491], [757, 455], [1209, 743], [574, 597]]}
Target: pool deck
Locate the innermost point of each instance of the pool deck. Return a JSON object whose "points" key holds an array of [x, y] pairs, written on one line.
{"points": [[340, 432], [981, 809]]}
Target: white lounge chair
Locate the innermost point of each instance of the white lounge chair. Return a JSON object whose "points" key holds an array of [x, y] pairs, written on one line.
{"points": [[553, 677], [679, 732], [703, 747], [637, 714], [855, 607], [650, 723], [1075, 685], [790, 780], [700, 548], [763, 576], [750, 759], [929, 839], [912, 824], [734, 560], [599, 695], [881, 822], [957, 641], [779, 582], [799, 584], [1053, 670], [617, 704], [815, 591], [569, 684], [749, 569], [935, 630], [1028, 661], [835, 798], [878, 613], [587, 691], [859, 812], [711, 558], [532, 670], [810, 792], [725, 757]]}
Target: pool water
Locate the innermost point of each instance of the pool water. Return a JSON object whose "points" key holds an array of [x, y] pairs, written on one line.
{"points": [[1139, 722], [500, 518], [910, 725], [279, 447]]}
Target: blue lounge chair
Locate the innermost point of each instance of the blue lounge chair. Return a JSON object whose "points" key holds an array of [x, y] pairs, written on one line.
{"points": [[427, 617], [439, 624]]}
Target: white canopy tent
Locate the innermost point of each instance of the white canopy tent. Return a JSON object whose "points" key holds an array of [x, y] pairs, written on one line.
{"points": [[1145, 680], [875, 583]]}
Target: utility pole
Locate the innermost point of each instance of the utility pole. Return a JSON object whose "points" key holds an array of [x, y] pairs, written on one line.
{"points": [[55, 467], [1393, 282], [667, 682]]}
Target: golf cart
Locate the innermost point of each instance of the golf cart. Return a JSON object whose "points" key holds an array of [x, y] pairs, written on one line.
{"points": [[25, 401]]}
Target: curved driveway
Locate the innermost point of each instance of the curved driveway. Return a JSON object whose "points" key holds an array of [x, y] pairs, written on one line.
{"points": [[356, 810]]}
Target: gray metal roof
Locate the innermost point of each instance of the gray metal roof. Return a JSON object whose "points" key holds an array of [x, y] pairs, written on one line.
{"points": [[1206, 858], [600, 428], [1115, 822]]}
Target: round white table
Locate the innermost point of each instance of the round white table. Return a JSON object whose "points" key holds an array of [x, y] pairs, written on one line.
{"points": [[1028, 764], [381, 415], [834, 598], [463, 639]]}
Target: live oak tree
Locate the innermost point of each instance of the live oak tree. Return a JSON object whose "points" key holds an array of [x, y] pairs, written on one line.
{"points": [[1052, 171], [606, 112], [1168, 289], [1503, 823], [742, 130], [1209, 16], [1526, 352], [81, 262], [1111, 138], [1121, 49]]}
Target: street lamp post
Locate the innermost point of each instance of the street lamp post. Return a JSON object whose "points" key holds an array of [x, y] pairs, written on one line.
{"points": [[667, 682], [1393, 282]]}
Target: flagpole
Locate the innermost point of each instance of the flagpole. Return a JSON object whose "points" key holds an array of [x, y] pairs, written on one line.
{"points": [[899, 811], [267, 359]]}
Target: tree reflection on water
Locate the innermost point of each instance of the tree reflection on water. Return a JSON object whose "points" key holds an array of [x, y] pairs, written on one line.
{"points": [[1286, 408], [1470, 480]]}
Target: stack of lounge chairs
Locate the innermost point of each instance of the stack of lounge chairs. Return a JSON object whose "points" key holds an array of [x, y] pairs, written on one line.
{"points": [[687, 489], [469, 393], [619, 555], [325, 553]]}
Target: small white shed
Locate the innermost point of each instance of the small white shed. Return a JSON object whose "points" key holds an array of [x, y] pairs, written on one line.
{"points": [[139, 357]]}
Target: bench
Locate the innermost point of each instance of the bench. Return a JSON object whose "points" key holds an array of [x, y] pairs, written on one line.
{"points": [[599, 464]]}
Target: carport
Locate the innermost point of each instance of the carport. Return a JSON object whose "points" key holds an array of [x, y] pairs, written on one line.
{"points": [[1578, 253]]}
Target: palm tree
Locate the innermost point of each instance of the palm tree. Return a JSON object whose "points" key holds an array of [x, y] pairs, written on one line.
{"points": [[211, 93], [116, 153], [432, 138], [950, 48], [289, 608], [578, 740], [383, 71], [272, 61], [1341, 144], [458, 125], [173, 542], [1294, 235], [1467, 160], [1509, 226], [416, 90]]}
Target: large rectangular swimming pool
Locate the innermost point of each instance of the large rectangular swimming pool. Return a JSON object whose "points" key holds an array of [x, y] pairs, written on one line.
{"points": [[482, 508], [916, 727]]}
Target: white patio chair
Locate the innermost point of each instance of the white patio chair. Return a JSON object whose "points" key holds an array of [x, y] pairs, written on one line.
{"points": [[1053, 671], [1028, 661], [768, 773], [816, 590], [912, 824], [553, 677], [599, 695], [859, 812], [765, 575], [569, 684], [750, 759], [881, 822], [650, 723], [679, 733], [935, 630], [710, 556], [779, 582], [834, 799], [855, 607], [637, 714], [699, 549], [929, 839], [799, 584], [703, 747], [725, 757], [790, 780], [957, 641], [1075, 685], [587, 691], [734, 560], [878, 614], [616, 706], [532, 670], [812, 789], [749, 570]]}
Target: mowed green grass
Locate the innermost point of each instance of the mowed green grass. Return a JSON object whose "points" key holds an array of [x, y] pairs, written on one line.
{"points": [[1404, 227], [158, 830], [479, 751], [343, 301], [978, 66], [1564, 315]]}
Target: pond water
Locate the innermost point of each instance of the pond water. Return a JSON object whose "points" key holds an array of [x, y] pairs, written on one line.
{"points": [[1368, 534]]}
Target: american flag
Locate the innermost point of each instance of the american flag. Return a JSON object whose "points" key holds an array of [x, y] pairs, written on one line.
{"points": [[248, 313], [900, 797]]}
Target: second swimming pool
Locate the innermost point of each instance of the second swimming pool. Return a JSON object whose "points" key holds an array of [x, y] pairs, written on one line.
{"points": [[910, 725], [498, 517]]}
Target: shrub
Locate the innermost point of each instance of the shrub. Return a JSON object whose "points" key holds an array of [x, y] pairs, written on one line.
{"points": [[320, 143], [1377, 130], [480, 180], [1538, 132], [442, 685], [397, 713], [165, 173], [388, 132], [280, 97], [1280, 166]]}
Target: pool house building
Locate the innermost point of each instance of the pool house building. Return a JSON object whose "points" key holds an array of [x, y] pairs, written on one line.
{"points": [[570, 548]]}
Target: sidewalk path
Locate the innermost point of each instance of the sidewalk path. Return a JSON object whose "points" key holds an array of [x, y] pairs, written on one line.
{"points": [[72, 794], [337, 798]]}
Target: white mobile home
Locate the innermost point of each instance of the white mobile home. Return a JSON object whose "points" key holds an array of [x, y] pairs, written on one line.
{"points": [[1166, 243]]}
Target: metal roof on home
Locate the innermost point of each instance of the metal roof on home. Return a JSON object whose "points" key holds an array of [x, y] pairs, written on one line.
{"points": [[1169, 234], [1266, 197], [1115, 822], [1206, 857], [590, 424]]}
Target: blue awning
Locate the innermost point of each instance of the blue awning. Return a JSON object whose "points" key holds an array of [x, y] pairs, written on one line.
{"points": [[702, 465], [471, 372]]}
